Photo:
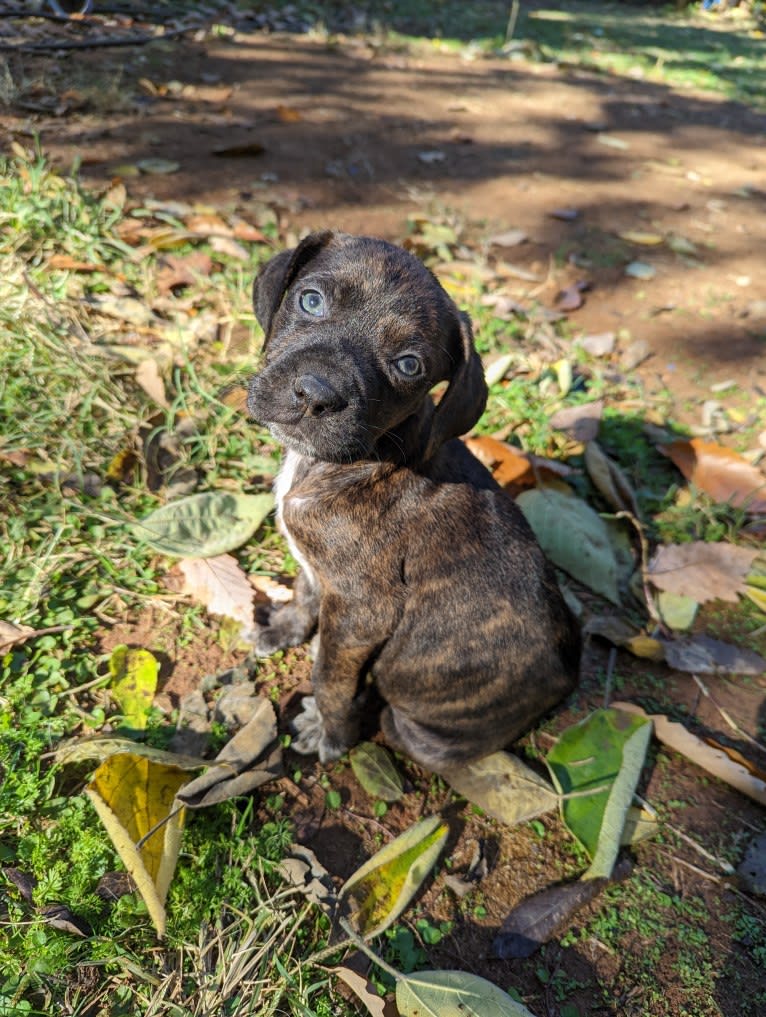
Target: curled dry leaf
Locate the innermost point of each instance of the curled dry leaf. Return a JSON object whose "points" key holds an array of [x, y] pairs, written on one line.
{"points": [[365, 992], [11, 634], [251, 758], [504, 787], [702, 571], [609, 479], [510, 466], [724, 475], [220, 585], [675, 736], [150, 379]]}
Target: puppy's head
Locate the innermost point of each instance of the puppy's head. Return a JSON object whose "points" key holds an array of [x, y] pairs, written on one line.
{"points": [[357, 332]]}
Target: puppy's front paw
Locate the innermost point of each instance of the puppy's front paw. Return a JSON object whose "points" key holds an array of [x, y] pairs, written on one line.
{"points": [[308, 728], [265, 640], [311, 736]]}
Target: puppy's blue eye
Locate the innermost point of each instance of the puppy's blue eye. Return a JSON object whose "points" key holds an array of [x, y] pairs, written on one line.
{"points": [[409, 366], [312, 302]]}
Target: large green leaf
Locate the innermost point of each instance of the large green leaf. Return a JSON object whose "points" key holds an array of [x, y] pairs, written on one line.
{"points": [[204, 525], [375, 771], [378, 892], [597, 764], [454, 994], [575, 537]]}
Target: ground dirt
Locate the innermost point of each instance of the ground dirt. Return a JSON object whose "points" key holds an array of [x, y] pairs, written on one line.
{"points": [[344, 127]]}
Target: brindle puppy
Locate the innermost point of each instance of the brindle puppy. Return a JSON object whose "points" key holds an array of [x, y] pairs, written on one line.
{"points": [[419, 572]]}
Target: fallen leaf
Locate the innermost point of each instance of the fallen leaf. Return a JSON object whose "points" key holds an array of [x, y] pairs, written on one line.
{"points": [[207, 224], [378, 892], [288, 115], [640, 270], [135, 800], [701, 570], [601, 756], [640, 825], [301, 868], [757, 596], [81, 750], [363, 989], [609, 479], [570, 298], [575, 537], [24, 882], [151, 381], [719, 472], [495, 369], [641, 238], [179, 270], [220, 585], [646, 647], [453, 994], [230, 247], [565, 214], [737, 757], [675, 736], [752, 869], [129, 309], [599, 344], [705, 655], [158, 166], [612, 142], [375, 771], [538, 918], [580, 422], [504, 787], [251, 758], [204, 525], [65, 262], [250, 234], [11, 635], [676, 610], [59, 916], [510, 238], [508, 464], [134, 682]]}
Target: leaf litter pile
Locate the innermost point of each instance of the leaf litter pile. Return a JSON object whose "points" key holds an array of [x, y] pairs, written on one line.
{"points": [[137, 490]]}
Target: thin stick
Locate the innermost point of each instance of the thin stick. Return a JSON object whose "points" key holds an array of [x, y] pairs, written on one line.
{"points": [[609, 673], [98, 42], [726, 716]]}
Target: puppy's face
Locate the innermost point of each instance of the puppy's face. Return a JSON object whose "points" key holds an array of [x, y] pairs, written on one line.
{"points": [[357, 333]]}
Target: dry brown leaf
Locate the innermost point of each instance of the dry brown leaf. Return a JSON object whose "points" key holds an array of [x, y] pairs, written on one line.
{"points": [[207, 224], [67, 262], [11, 634], [247, 232], [288, 114], [609, 479], [579, 422], [702, 654], [150, 379], [714, 760], [737, 757], [177, 270], [230, 247], [719, 472], [702, 571], [510, 466], [220, 585]]}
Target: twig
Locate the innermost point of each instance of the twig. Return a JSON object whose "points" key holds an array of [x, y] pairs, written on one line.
{"points": [[727, 717], [33, 635], [722, 864], [99, 41], [609, 673], [513, 17]]}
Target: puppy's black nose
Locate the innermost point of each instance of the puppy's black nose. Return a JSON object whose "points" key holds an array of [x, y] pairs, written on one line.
{"points": [[316, 395]]}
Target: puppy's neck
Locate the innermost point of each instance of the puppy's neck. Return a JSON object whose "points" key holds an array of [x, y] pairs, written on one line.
{"points": [[405, 444]]}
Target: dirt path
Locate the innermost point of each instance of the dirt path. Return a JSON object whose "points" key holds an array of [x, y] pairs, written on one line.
{"points": [[359, 137]]}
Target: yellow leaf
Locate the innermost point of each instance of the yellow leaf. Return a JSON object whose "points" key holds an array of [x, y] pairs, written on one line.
{"points": [[645, 646], [757, 596], [135, 682], [383, 887], [135, 800], [641, 238]]}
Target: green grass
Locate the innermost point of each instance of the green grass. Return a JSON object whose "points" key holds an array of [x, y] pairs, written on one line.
{"points": [[654, 42]]}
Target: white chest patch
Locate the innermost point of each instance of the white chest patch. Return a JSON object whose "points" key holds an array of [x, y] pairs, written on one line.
{"points": [[282, 484]]}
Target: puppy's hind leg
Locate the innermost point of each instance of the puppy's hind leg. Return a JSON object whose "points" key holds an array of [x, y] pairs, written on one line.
{"points": [[434, 751]]}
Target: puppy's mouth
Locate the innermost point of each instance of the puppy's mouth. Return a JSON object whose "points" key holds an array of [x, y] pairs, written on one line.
{"points": [[311, 415]]}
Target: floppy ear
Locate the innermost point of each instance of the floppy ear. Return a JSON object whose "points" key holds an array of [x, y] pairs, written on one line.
{"points": [[274, 279], [466, 396]]}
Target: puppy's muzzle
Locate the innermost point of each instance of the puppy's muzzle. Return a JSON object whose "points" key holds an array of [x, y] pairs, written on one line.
{"points": [[316, 397]]}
